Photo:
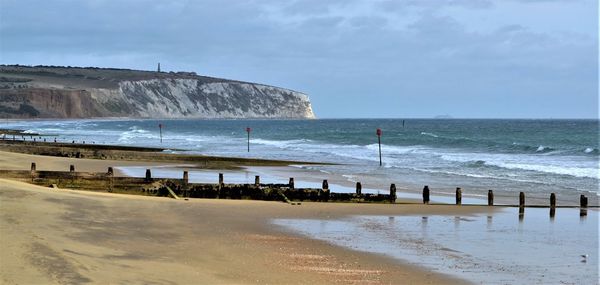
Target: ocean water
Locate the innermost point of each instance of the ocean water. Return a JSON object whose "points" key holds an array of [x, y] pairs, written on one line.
{"points": [[493, 248], [508, 156]]}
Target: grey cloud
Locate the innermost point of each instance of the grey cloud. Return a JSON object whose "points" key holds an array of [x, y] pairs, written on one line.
{"points": [[335, 51]]}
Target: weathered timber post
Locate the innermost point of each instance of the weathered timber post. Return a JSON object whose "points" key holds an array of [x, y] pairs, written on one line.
{"points": [[257, 181], [393, 193], [33, 169], [186, 177], [490, 198], [379, 133], [72, 168], [110, 173], [148, 175], [458, 196], [583, 203], [33, 139], [521, 205], [221, 180], [248, 130], [552, 205], [325, 185], [358, 188], [521, 199], [291, 183], [426, 194]]}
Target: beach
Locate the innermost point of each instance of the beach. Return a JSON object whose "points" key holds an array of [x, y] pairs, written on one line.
{"points": [[69, 236]]}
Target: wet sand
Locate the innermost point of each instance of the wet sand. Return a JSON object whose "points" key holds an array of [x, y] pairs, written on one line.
{"points": [[67, 236]]}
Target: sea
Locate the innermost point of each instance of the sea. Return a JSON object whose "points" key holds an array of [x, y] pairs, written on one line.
{"points": [[537, 157]]}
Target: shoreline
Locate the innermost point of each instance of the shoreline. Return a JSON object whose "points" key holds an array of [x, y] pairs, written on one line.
{"points": [[228, 229], [257, 216], [246, 224]]}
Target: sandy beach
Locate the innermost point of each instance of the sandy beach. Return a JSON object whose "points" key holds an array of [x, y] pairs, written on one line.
{"points": [[68, 236]]}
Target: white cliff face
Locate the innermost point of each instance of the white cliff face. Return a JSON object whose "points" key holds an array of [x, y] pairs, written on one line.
{"points": [[177, 98], [74, 92]]}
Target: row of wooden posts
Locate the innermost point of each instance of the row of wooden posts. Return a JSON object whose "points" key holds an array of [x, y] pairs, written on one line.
{"points": [[583, 201]]}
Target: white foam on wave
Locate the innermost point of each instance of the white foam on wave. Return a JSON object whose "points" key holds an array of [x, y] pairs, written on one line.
{"points": [[281, 144], [544, 164], [136, 133], [572, 171], [429, 134]]}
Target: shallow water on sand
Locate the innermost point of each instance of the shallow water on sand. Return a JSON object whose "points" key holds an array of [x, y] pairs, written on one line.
{"points": [[495, 248]]}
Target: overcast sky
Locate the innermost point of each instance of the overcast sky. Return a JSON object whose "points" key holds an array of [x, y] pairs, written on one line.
{"points": [[379, 58]]}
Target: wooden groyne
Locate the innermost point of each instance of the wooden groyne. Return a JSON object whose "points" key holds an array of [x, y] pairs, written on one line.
{"points": [[166, 187], [148, 185]]}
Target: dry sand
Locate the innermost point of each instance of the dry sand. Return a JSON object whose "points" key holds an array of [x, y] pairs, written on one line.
{"points": [[61, 236]]}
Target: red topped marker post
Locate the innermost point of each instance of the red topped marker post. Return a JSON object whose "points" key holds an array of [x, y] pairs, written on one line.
{"points": [[379, 133], [160, 131], [248, 130]]}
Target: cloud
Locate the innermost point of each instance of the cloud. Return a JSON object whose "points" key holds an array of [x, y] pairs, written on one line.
{"points": [[414, 58]]}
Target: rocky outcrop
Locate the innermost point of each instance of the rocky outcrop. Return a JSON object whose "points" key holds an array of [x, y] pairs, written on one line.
{"points": [[57, 92]]}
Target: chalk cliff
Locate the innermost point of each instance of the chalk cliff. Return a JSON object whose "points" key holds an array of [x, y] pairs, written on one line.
{"points": [[70, 92]]}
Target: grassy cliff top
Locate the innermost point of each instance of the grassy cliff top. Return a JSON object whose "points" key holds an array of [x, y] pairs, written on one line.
{"points": [[91, 77]]}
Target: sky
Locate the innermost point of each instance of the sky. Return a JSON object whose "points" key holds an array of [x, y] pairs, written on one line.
{"points": [[355, 59]]}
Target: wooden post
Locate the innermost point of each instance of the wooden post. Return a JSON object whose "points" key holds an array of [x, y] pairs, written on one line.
{"points": [[358, 188], [521, 199], [33, 169], [248, 130], [186, 177], [458, 196], [110, 173], [490, 198], [552, 205], [160, 131], [72, 168], [291, 183], [256, 180], [521, 206], [393, 193], [221, 180], [426, 194], [148, 175], [583, 203], [325, 185], [378, 132]]}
